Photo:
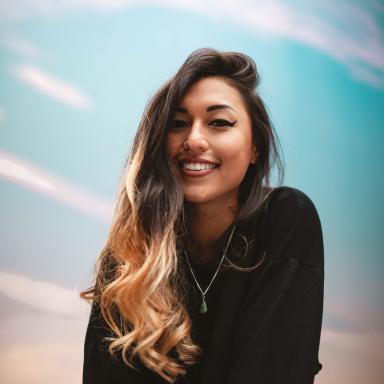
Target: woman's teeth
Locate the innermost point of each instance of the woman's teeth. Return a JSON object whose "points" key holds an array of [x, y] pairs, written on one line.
{"points": [[198, 166]]}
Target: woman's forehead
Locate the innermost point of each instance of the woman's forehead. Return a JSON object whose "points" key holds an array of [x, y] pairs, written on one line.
{"points": [[210, 92]]}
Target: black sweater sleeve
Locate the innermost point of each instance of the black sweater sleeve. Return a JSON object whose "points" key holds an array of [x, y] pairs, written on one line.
{"points": [[93, 359], [277, 333]]}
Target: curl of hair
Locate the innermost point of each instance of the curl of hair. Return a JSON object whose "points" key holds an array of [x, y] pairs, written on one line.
{"points": [[139, 279]]}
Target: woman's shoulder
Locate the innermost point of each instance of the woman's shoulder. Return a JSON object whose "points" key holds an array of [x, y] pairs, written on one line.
{"points": [[289, 204], [289, 196], [292, 226]]}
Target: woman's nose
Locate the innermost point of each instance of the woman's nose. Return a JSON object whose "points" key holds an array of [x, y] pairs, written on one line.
{"points": [[196, 139]]}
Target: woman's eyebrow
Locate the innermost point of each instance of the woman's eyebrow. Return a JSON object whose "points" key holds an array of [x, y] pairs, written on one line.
{"points": [[209, 109]]}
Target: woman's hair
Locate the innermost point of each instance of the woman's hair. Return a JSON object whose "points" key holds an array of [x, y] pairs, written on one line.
{"points": [[140, 284]]}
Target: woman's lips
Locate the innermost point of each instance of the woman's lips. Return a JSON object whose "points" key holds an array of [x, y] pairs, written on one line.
{"points": [[197, 173]]}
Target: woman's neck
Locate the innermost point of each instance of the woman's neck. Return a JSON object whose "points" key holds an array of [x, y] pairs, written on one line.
{"points": [[206, 223]]}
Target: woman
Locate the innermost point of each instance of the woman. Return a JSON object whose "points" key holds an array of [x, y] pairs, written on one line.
{"points": [[209, 275]]}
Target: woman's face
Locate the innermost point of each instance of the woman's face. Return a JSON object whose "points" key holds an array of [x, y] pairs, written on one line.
{"points": [[210, 138]]}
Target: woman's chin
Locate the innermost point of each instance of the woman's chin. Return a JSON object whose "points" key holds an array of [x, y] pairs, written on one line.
{"points": [[197, 198]]}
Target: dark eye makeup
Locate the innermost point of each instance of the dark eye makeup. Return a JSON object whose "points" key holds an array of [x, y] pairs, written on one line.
{"points": [[222, 123], [215, 123]]}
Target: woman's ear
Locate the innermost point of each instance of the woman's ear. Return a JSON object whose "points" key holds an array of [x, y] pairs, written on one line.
{"points": [[254, 155]]}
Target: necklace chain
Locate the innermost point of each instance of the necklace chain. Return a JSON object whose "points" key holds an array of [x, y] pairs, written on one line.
{"points": [[203, 307]]}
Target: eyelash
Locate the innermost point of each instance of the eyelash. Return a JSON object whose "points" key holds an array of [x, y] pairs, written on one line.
{"points": [[225, 123]]}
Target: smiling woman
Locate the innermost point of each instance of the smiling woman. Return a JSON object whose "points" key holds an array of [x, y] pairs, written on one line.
{"points": [[209, 274], [216, 131]]}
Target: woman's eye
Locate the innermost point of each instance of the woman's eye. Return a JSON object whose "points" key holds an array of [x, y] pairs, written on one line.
{"points": [[178, 124], [175, 124], [222, 123]]}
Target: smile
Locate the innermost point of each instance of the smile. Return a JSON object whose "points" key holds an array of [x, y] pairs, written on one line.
{"points": [[197, 169]]}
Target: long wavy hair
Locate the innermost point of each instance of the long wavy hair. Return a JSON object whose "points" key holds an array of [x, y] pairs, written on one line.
{"points": [[139, 283]]}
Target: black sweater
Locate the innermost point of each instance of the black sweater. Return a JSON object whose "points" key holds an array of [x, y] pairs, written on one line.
{"points": [[262, 327]]}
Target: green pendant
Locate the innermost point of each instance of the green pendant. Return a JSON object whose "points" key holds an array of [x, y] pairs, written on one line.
{"points": [[203, 307]]}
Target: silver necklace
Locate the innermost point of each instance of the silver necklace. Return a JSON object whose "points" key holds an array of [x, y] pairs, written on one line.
{"points": [[203, 306]]}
